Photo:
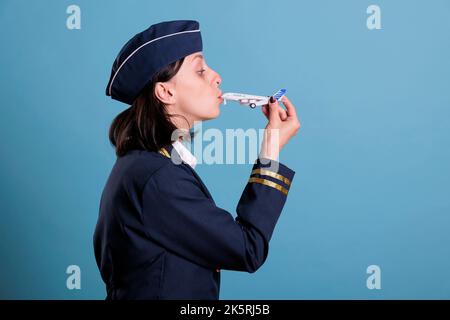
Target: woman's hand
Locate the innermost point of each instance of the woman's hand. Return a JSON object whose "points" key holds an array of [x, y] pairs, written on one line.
{"points": [[282, 126]]}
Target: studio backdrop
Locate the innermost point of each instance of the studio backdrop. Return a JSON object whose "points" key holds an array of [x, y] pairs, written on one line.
{"points": [[368, 215]]}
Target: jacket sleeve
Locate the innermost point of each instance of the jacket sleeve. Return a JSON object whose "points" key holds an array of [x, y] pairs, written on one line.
{"points": [[179, 216]]}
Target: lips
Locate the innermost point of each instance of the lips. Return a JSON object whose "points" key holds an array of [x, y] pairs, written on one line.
{"points": [[220, 95]]}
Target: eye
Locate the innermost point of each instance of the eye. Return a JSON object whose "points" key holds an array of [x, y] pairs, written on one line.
{"points": [[201, 71]]}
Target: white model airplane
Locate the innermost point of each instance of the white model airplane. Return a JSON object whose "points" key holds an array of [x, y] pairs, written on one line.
{"points": [[251, 100]]}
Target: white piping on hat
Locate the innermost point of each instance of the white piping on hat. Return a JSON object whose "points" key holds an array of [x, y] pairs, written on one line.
{"points": [[169, 35]]}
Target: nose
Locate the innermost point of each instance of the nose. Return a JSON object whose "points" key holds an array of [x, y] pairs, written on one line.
{"points": [[217, 79]]}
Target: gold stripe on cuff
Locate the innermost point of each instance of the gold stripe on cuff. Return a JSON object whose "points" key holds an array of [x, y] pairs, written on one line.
{"points": [[164, 152], [272, 174], [269, 183]]}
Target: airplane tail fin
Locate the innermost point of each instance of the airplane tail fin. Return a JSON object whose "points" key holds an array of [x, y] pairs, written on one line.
{"points": [[279, 94]]}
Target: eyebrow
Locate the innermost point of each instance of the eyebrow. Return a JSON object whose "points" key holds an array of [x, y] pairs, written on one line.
{"points": [[197, 56]]}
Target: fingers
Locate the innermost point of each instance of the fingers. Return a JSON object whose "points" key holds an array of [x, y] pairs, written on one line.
{"points": [[274, 114], [265, 110], [282, 112], [290, 109]]}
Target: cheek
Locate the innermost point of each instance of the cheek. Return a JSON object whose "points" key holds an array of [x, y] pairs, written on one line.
{"points": [[197, 96], [191, 89]]}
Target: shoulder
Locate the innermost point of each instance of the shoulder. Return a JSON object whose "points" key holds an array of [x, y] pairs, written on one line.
{"points": [[138, 166], [173, 176], [162, 165]]}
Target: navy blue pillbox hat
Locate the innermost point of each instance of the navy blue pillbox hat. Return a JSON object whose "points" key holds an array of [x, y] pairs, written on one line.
{"points": [[147, 53]]}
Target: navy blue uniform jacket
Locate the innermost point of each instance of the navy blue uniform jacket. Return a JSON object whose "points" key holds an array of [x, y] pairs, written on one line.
{"points": [[160, 234]]}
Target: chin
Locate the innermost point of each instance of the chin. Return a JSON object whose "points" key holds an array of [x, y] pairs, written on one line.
{"points": [[217, 113], [212, 115]]}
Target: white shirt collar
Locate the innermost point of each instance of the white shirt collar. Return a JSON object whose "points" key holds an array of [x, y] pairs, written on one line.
{"points": [[185, 154]]}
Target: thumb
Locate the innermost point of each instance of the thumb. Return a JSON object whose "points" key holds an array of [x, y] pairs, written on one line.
{"points": [[274, 115]]}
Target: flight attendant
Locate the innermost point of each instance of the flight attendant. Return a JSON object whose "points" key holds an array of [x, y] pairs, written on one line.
{"points": [[159, 233]]}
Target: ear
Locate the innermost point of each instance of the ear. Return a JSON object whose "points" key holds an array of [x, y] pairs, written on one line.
{"points": [[165, 92]]}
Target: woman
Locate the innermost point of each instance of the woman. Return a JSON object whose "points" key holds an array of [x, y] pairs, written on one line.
{"points": [[159, 233]]}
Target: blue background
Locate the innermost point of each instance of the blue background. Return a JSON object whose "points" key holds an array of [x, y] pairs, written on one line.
{"points": [[372, 158]]}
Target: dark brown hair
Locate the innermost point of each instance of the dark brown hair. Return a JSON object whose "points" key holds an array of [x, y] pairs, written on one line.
{"points": [[145, 125]]}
